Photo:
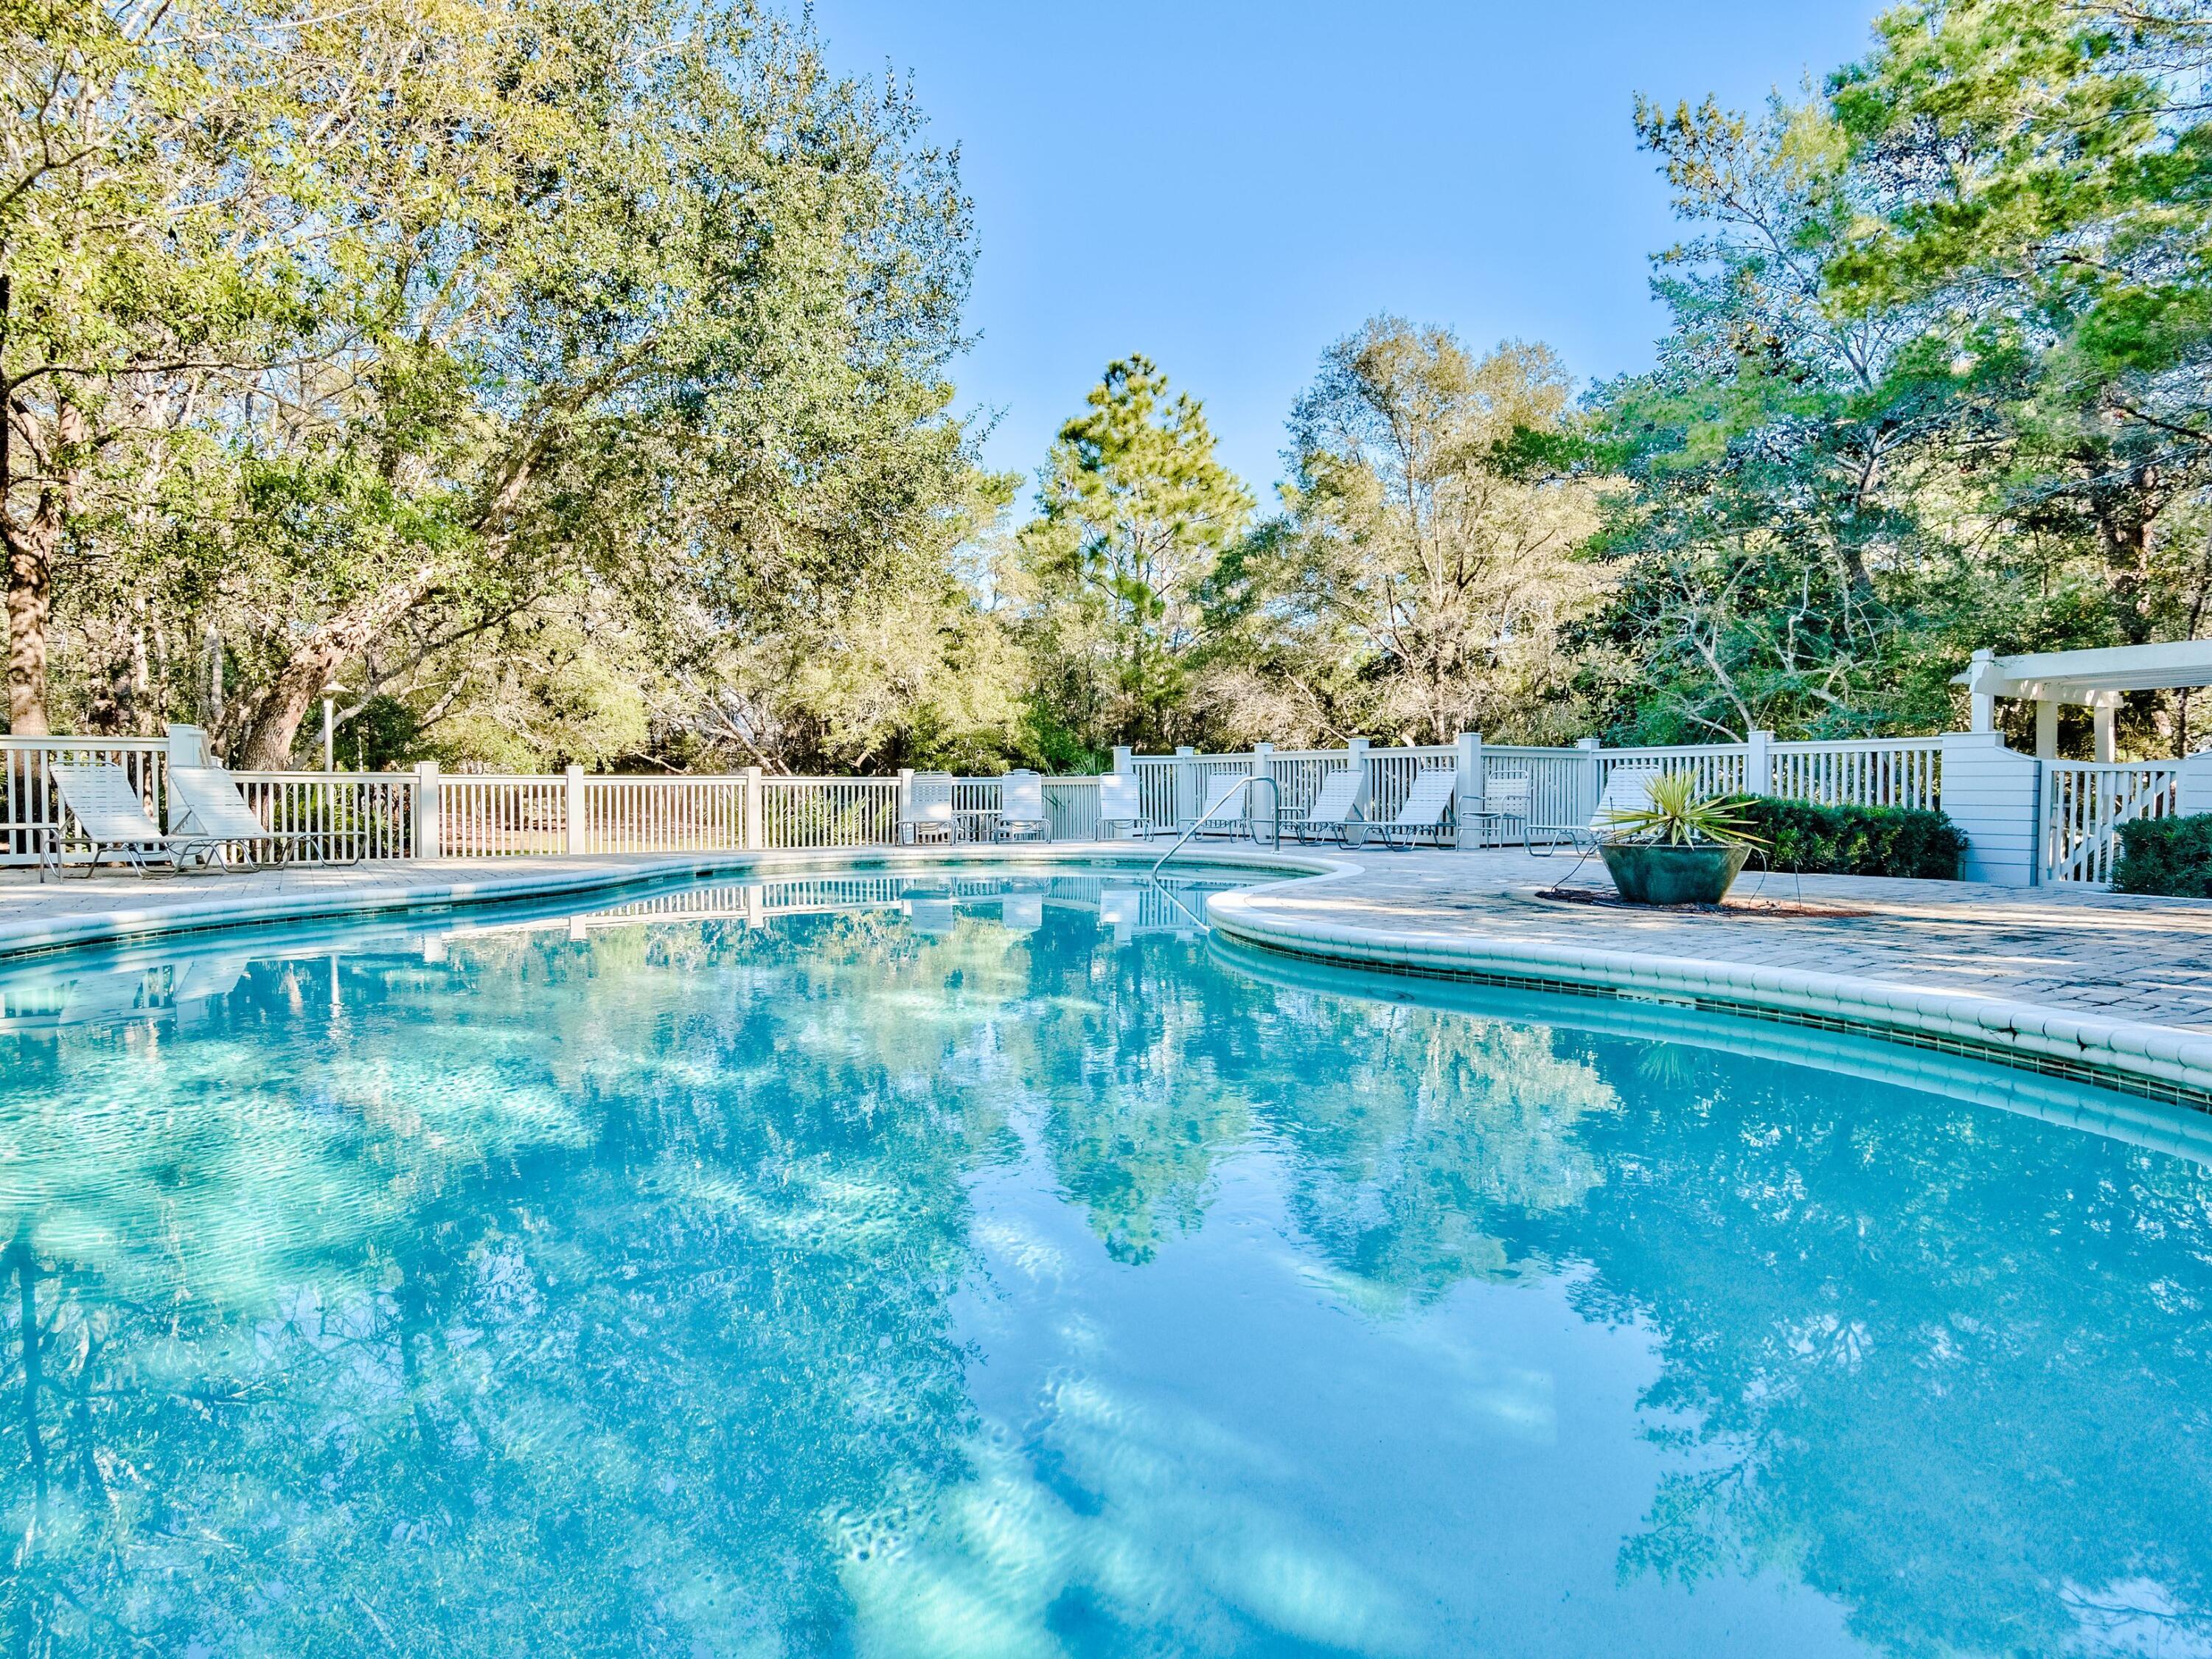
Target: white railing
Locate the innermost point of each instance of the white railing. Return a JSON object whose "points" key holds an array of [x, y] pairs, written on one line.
{"points": [[2065, 828], [29, 808], [2084, 805], [1072, 806], [1895, 772], [356, 815], [485, 816], [630, 814], [1564, 785], [1720, 769], [829, 811]]}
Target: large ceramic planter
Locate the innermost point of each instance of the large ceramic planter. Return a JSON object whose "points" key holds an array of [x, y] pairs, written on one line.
{"points": [[1654, 874]]}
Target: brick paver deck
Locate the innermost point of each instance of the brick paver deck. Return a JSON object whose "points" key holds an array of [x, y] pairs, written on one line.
{"points": [[2108, 954]]}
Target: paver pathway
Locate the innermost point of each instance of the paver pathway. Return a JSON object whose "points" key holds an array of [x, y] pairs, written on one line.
{"points": [[2100, 953]]}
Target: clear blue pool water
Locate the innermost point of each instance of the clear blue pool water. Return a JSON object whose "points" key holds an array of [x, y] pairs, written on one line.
{"points": [[866, 1267]]}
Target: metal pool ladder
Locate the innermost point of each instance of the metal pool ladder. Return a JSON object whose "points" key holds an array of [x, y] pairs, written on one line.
{"points": [[1242, 786]]}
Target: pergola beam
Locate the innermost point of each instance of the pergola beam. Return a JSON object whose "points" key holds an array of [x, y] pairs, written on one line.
{"points": [[2092, 679]]}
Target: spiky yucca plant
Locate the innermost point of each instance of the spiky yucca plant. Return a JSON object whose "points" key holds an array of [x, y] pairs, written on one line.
{"points": [[1679, 816]]}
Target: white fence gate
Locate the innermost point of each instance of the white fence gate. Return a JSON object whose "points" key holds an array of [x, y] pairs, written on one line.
{"points": [[2085, 803]]}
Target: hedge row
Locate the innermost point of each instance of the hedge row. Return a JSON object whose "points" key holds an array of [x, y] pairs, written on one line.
{"points": [[1815, 840], [2167, 855]]}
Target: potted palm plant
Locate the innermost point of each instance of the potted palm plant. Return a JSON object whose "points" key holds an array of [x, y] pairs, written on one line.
{"points": [[1679, 848]]}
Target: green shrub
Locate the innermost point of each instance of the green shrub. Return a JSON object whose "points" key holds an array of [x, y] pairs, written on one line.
{"points": [[1813, 840], [2171, 856]]}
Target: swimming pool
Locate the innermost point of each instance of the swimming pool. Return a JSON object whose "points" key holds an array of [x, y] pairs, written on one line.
{"points": [[998, 1264]]}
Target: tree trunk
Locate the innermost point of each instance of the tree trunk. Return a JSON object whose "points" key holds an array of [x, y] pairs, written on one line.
{"points": [[274, 718], [31, 547], [2123, 519]]}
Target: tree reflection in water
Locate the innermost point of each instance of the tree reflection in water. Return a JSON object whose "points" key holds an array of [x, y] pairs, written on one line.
{"points": [[642, 1298]]}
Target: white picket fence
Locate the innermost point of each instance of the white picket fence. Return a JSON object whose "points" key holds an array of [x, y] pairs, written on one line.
{"points": [[2076, 810]]}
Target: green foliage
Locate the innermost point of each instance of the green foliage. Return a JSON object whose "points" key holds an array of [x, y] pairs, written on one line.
{"points": [[1676, 815], [615, 314], [1133, 513], [1426, 566], [1816, 840], [382, 734], [2171, 856], [1936, 379]]}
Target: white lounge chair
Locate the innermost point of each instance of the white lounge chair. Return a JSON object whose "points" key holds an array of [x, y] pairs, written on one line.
{"points": [[1338, 807], [929, 813], [1021, 808], [110, 816], [212, 806], [1505, 802], [1627, 788], [1119, 801], [1426, 810]]}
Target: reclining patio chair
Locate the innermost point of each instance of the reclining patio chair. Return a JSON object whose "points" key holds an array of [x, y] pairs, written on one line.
{"points": [[1337, 808], [213, 807], [1627, 788], [1021, 808], [1426, 810], [930, 817], [112, 817], [1119, 801]]}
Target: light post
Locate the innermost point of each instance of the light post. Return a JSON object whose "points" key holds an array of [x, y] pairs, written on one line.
{"points": [[330, 692]]}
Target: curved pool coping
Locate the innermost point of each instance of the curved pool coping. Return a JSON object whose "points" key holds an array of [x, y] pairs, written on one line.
{"points": [[2163, 1061]]}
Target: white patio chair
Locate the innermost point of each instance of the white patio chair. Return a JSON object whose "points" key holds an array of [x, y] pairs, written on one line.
{"points": [[1505, 803], [1339, 807], [1627, 788], [213, 806], [930, 817], [1021, 808], [1119, 801], [111, 817], [1426, 810]]}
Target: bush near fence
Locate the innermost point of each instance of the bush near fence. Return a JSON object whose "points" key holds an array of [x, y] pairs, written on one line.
{"points": [[2168, 856], [1809, 839]]}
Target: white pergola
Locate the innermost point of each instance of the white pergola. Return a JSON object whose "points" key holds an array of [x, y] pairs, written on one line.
{"points": [[2090, 679]]}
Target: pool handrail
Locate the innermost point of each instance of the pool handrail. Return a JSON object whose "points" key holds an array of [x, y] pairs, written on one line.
{"points": [[1241, 787]]}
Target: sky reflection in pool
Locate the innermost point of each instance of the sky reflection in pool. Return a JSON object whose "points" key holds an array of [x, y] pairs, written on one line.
{"points": [[887, 1267]]}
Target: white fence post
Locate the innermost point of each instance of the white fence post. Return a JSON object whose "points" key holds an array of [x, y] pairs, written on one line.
{"points": [[426, 810], [1589, 780], [575, 806], [187, 745], [1187, 785], [904, 828], [1995, 798], [1758, 762], [1125, 760], [2194, 793], [1473, 786], [756, 835]]}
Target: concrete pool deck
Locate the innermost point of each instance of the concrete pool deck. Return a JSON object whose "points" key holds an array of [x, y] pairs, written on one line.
{"points": [[2096, 984]]}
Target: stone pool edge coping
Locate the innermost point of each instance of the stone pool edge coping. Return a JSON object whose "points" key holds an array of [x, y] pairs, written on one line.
{"points": [[2135, 1056], [2162, 1060]]}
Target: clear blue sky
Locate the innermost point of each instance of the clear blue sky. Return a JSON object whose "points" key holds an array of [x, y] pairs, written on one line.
{"points": [[1229, 186]]}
